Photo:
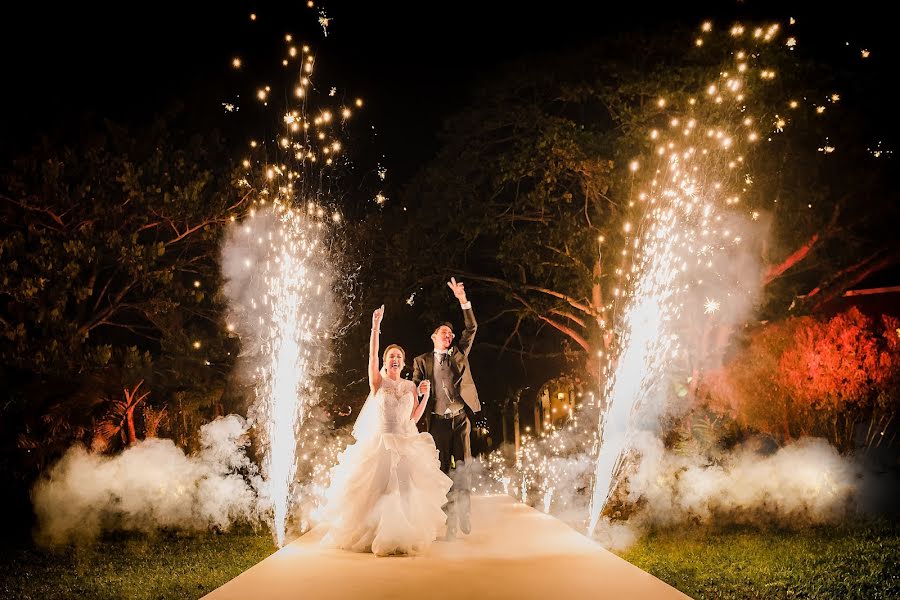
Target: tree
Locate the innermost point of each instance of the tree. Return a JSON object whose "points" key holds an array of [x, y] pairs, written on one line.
{"points": [[530, 190], [749, 390], [810, 377], [515, 201], [120, 418], [117, 236], [109, 273], [838, 367]]}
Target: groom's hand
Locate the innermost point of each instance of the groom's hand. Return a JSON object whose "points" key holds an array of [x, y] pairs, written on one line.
{"points": [[458, 289]]}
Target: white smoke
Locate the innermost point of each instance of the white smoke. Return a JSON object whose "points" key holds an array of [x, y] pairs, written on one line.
{"points": [[807, 482], [151, 485], [617, 536], [249, 251]]}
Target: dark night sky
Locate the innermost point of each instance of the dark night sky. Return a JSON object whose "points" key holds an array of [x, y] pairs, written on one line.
{"points": [[412, 64]]}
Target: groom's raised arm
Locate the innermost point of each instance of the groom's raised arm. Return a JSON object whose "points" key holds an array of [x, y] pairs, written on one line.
{"points": [[468, 334]]}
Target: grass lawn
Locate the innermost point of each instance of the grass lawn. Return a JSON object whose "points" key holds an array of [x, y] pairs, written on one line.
{"points": [[860, 560], [131, 567]]}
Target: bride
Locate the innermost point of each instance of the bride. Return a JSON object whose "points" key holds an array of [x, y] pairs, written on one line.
{"points": [[387, 489]]}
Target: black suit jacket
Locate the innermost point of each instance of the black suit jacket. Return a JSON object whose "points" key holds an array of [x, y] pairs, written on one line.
{"points": [[423, 368]]}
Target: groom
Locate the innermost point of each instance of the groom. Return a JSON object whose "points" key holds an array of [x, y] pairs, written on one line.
{"points": [[453, 402]]}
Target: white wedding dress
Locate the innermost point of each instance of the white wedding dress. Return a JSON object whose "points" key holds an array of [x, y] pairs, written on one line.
{"points": [[387, 489]]}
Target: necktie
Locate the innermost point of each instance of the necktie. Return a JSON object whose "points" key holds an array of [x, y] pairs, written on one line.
{"points": [[444, 358]]}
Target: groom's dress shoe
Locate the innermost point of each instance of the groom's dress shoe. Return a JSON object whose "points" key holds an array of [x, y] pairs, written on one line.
{"points": [[465, 525]]}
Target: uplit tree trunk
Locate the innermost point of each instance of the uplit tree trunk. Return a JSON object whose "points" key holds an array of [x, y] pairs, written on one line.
{"points": [[119, 419], [129, 421], [517, 436], [131, 403], [773, 272]]}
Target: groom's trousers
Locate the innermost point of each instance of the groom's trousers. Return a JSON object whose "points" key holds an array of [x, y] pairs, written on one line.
{"points": [[451, 436]]}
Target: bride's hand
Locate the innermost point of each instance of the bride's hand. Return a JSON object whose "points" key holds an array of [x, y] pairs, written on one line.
{"points": [[425, 388], [377, 316]]}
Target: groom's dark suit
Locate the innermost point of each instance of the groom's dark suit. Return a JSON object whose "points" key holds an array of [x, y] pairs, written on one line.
{"points": [[453, 401]]}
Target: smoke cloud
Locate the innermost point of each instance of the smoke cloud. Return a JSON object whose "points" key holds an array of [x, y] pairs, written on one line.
{"points": [[151, 485]]}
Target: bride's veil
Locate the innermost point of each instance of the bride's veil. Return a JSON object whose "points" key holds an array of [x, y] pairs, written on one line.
{"points": [[368, 423]]}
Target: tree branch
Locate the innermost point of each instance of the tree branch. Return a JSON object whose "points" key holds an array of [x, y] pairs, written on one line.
{"points": [[563, 328], [567, 315], [132, 329], [776, 271], [497, 316], [533, 288], [514, 332], [572, 302], [578, 262], [568, 331], [56, 218], [188, 231], [101, 318], [850, 276], [149, 226], [523, 352]]}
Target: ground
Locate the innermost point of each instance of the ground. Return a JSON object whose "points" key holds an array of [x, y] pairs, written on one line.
{"points": [[130, 567], [860, 559]]}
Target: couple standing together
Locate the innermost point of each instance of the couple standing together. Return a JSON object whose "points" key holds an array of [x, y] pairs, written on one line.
{"points": [[394, 489]]}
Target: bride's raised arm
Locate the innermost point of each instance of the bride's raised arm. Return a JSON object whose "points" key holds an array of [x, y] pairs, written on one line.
{"points": [[374, 373]]}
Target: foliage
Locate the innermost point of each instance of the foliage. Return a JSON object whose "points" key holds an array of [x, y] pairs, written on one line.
{"points": [[109, 276], [102, 244], [809, 376]]}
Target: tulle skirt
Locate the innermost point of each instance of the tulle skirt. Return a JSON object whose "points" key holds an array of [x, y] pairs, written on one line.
{"points": [[386, 495]]}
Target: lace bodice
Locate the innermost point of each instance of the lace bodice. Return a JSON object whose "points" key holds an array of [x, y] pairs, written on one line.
{"points": [[395, 403]]}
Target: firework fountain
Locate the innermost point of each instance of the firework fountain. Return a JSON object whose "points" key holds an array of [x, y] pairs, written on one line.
{"points": [[283, 323], [689, 209], [279, 261]]}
